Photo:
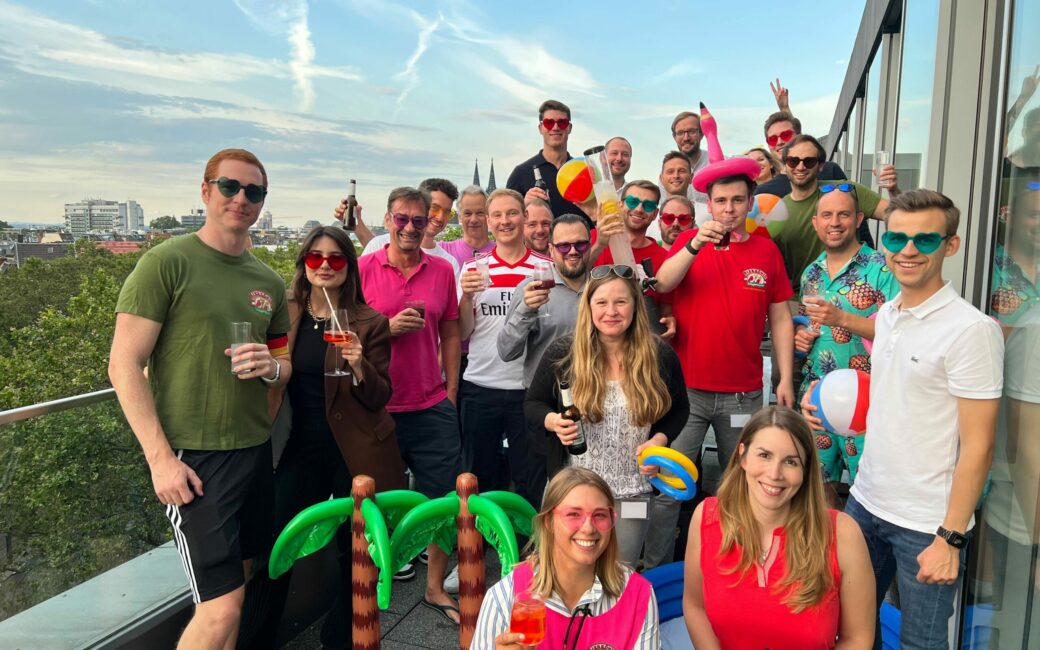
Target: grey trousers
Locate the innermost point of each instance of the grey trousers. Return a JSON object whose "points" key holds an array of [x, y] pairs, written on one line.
{"points": [[726, 413]]}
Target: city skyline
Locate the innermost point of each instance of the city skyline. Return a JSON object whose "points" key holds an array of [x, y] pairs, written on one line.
{"points": [[96, 100]]}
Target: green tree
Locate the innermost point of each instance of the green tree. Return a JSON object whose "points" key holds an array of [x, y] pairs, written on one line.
{"points": [[451, 233], [4, 224], [164, 223]]}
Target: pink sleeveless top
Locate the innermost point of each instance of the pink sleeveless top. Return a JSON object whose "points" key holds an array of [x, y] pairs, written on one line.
{"points": [[748, 614], [616, 629]]}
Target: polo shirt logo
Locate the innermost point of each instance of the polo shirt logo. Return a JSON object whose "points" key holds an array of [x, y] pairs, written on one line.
{"points": [[755, 278], [261, 302]]}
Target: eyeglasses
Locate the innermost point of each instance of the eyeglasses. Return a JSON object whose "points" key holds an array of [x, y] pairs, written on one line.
{"points": [[632, 202], [623, 271], [581, 247], [686, 132], [229, 187], [667, 218], [563, 123], [780, 138], [437, 211], [574, 518], [419, 221], [926, 242], [793, 161], [314, 260]]}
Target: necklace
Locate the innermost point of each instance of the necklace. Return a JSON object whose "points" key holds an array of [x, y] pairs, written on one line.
{"points": [[310, 312]]}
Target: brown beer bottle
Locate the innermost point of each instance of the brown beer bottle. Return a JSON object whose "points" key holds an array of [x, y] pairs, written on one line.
{"points": [[571, 412], [538, 182], [350, 219]]}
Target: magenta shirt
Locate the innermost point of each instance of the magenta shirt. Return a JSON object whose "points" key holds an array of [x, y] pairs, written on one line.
{"points": [[415, 370], [462, 251]]}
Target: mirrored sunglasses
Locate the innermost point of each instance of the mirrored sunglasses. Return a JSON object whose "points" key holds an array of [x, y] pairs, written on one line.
{"points": [[623, 271]]}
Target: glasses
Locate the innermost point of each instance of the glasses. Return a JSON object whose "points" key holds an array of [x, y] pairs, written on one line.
{"points": [[794, 161], [632, 203], [437, 211], [780, 138], [563, 123], [574, 518], [686, 132], [314, 260], [926, 242], [667, 218], [623, 271], [230, 188], [581, 247], [419, 221]]}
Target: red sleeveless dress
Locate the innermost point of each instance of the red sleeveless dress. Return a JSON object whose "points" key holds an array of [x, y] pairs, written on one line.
{"points": [[746, 613]]}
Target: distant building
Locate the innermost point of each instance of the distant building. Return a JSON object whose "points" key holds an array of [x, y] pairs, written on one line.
{"points": [[312, 223], [46, 252], [119, 247], [195, 218], [101, 215], [491, 178], [266, 221], [131, 216], [476, 173]]}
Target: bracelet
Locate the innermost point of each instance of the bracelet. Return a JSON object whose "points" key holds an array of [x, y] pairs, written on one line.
{"points": [[277, 373], [689, 247]]}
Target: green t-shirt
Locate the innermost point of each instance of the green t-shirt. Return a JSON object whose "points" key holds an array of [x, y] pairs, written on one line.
{"points": [[196, 292], [797, 239]]}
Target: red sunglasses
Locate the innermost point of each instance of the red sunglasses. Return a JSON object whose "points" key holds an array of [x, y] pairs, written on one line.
{"points": [[782, 137], [314, 260], [563, 123], [667, 218]]}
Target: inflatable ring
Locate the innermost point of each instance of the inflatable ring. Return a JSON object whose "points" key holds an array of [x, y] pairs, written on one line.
{"points": [[802, 320], [682, 483]]}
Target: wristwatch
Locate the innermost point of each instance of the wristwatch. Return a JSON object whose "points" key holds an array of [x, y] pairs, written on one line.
{"points": [[689, 247], [952, 537]]}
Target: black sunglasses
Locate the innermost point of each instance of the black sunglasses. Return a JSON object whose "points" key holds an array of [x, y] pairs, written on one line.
{"points": [[793, 161], [623, 271], [230, 188]]}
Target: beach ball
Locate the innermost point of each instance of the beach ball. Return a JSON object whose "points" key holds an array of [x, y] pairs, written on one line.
{"points": [[767, 210], [574, 180], [841, 399]]}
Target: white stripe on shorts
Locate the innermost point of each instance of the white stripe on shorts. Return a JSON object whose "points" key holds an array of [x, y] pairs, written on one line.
{"points": [[173, 513]]}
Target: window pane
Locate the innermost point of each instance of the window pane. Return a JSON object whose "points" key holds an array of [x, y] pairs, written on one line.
{"points": [[917, 75]]}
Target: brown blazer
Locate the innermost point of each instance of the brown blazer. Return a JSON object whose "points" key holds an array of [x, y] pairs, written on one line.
{"points": [[357, 415]]}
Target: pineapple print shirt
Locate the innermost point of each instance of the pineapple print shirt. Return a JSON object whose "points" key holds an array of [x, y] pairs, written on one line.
{"points": [[1013, 293], [860, 288]]}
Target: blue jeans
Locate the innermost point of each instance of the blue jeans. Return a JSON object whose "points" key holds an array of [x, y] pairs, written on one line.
{"points": [[706, 409], [926, 609]]}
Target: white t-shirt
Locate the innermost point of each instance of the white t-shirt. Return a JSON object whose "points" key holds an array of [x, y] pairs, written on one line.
{"points": [[924, 358], [380, 241], [485, 368]]}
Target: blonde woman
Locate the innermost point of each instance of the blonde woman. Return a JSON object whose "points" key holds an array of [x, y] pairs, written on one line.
{"points": [[627, 384], [592, 600], [766, 160], [767, 564]]}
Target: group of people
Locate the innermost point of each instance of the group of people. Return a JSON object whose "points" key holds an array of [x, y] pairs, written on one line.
{"points": [[477, 354]]}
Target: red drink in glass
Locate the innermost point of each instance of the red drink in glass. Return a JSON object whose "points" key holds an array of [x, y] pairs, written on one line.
{"points": [[528, 618], [338, 338]]}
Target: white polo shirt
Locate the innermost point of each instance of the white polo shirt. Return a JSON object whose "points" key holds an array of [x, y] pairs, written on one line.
{"points": [[924, 358]]}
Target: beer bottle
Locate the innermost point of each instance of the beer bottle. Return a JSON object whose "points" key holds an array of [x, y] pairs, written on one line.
{"points": [[538, 182], [350, 218], [571, 412]]}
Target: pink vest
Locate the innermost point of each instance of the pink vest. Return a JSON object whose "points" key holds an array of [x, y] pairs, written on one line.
{"points": [[616, 629]]}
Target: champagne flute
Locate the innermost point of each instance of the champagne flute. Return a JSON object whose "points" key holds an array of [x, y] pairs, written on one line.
{"points": [[337, 333]]}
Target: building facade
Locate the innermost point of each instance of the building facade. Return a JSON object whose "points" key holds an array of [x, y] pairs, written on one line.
{"points": [[100, 215]]}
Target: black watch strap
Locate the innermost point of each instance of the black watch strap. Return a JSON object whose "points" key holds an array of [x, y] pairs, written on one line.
{"points": [[952, 537], [689, 247]]}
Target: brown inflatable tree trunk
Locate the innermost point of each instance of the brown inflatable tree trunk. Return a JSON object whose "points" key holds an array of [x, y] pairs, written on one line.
{"points": [[471, 561], [365, 618]]}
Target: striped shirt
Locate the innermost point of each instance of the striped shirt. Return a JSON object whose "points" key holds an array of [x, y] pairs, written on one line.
{"points": [[498, 605]]}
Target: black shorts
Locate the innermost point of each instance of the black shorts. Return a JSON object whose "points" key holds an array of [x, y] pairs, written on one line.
{"points": [[230, 522]]}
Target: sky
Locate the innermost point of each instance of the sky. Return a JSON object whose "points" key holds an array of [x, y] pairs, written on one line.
{"points": [[124, 99]]}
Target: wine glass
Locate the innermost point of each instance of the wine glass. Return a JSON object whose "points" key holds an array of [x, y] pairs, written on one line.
{"points": [[337, 333], [545, 276]]}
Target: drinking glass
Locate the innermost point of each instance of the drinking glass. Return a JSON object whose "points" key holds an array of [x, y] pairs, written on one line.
{"points": [[417, 305], [528, 618], [545, 275], [241, 333], [882, 159], [337, 333], [484, 268]]}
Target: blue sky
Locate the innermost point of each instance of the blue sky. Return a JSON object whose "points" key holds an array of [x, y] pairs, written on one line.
{"points": [[121, 99]]}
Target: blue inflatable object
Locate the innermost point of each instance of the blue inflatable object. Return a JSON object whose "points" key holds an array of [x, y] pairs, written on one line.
{"points": [[678, 471]]}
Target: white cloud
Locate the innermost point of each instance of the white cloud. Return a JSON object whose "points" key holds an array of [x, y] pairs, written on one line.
{"points": [[410, 74], [682, 69]]}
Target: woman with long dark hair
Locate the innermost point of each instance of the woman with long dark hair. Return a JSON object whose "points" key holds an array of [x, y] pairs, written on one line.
{"points": [[767, 564]]}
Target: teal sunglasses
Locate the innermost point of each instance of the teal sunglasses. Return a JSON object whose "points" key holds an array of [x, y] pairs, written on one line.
{"points": [[632, 203], [926, 242]]}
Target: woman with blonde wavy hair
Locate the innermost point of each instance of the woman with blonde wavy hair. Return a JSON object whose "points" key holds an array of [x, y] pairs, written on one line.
{"points": [[767, 564], [592, 600], [628, 386]]}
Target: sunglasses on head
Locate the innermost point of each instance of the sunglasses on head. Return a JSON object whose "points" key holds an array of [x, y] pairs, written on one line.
{"points": [[632, 203], [780, 138], [230, 188], [667, 218], [314, 260], [848, 188], [418, 221], [581, 247], [623, 271], [793, 162], [574, 518], [563, 123], [926, 242]]}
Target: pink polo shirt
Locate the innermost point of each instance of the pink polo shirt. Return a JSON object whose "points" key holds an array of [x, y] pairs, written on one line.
{"points": [[415, 370]]}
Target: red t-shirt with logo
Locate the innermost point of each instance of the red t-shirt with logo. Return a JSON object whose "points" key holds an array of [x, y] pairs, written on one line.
{"points": [[655, 252], [721, 307]]}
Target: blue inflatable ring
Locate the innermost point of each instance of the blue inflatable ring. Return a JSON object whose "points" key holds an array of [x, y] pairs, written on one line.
{"points": [[679, 472]]}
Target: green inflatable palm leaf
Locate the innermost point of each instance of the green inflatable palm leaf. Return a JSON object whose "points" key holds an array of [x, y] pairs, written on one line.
{"points": [[395, 504], [493, 524], [432, 521], [309, 531], [521, 514], [378, 549]]}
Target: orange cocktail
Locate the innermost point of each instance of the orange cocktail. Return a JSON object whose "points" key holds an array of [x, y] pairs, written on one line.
{"points": [[528, 618]]}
